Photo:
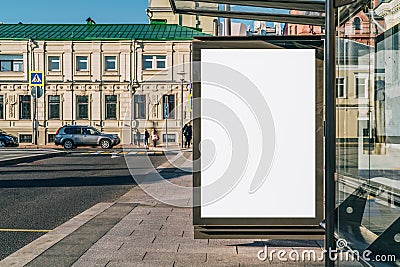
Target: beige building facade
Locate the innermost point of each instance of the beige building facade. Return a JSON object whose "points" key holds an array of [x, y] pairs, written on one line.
{"points": [[118, 86]]}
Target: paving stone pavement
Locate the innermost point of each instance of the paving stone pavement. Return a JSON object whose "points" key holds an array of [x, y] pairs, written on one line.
{"points": [[156, 234], [152, 233]]}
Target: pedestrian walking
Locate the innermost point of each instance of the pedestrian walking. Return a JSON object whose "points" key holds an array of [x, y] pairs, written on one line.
{"points": [[154, 137], [146, 138], [187, 132]]}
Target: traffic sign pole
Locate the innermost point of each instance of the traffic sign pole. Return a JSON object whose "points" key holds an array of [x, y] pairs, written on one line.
{"points": [[34, 137], [36, 116], [36, 79], [33, 122]]}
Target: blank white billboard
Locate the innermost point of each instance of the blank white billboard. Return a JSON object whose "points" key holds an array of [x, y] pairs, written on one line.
{"points": [[258, 133]]}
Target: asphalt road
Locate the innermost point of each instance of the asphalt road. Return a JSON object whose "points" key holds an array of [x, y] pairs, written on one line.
{"points": [[39, 196]]}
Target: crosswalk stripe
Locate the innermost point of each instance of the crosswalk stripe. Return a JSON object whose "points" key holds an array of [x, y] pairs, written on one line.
{"points": [[25, 230], [101, 152]]}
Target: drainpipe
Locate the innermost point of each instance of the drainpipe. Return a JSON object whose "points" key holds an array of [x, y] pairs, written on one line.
{"points": [[371, 14], [44, 99], [134, 84], [32, 67], [101, 86], [131, 94], [72, 82], [191, 76]]}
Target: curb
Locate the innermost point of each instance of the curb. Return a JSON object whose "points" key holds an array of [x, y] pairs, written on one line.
{"points": [[34, 249], [30, 158]]}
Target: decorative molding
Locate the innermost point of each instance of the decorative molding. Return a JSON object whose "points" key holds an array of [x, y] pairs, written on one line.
{"points": [[12, 101]]}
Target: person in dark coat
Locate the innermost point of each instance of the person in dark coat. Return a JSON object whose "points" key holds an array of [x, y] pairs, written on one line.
{"points": [[146, 138], [187, 132]]}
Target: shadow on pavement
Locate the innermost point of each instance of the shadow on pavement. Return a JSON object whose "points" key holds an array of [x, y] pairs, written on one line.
{"points": [[283, 243], [68, 182]]}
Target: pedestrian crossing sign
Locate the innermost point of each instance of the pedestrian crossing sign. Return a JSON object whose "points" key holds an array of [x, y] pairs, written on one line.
{"points": [[36, 78]]}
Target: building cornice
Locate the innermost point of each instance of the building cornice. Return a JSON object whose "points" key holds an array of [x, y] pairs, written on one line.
{"points": [[387, 8]]}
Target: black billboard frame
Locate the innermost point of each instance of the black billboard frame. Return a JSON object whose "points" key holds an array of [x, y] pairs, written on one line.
{"points": [[271, 228]]}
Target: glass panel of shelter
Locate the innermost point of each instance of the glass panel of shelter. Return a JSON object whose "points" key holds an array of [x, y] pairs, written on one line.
{"points": [[368, 116], [368, 132]]}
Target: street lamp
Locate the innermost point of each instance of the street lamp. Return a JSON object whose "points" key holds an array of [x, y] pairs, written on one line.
{"points": [[182, 73]]}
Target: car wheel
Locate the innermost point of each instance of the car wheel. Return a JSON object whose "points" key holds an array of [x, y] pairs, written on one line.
{"points": [[68, 144], [105, 143], [2, 144]]}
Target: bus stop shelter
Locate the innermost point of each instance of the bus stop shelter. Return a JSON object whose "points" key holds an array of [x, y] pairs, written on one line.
{"points": [[319, 13]]}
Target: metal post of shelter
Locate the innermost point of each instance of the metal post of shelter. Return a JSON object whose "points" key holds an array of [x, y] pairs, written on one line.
{"points": [[330, 128], [227, 22]]}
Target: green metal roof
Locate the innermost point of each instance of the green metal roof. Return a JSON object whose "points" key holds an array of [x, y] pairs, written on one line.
{"points": [[98, 32]]}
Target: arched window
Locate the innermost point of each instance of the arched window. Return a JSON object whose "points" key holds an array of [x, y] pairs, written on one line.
{"points": [[357, 23]]}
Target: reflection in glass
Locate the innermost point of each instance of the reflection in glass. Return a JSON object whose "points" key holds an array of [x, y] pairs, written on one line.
{"points": [[368, 131]]}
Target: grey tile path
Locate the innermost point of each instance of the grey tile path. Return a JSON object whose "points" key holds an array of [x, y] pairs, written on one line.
{"points": [[66, 251], [155, 234]]}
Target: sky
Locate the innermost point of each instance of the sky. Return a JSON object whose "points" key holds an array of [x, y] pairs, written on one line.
{"points": [[77, 11], [73, 11]]}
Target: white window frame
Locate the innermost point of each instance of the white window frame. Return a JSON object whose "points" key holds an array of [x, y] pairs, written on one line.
{"points": [[77, 62], [16, 62], [24, 134], [154, 60], [366, 85], [106, 103], [171, 137], [51, 103], [49, 63], [344, 87], [115, 62], [137, 106], [78, 114]]}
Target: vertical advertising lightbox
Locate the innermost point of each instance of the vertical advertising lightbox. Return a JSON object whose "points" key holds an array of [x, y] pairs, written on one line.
{"points": [[258, 137]]}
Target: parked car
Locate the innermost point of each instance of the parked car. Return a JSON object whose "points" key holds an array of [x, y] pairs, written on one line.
{"points": [[72, 136], [7, 139]]}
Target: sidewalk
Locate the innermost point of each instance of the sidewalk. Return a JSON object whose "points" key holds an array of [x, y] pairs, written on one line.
{"points": [[137, 230]]}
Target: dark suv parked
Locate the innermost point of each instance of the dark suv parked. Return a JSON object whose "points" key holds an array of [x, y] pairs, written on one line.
{"points": [[7, 139], [71, 136]]}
